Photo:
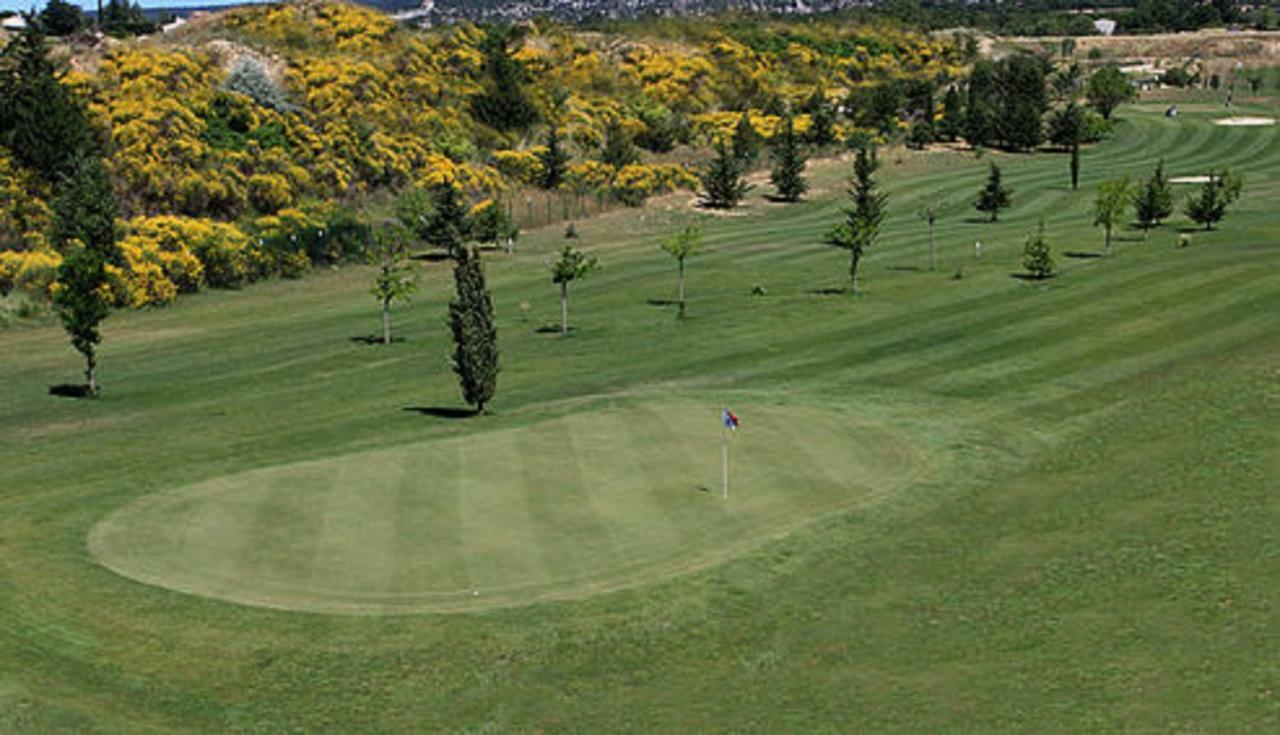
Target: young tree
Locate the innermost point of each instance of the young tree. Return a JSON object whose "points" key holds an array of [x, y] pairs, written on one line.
{"points": [[723, 184], [395, 278], [84, 230], [788, 163], [1037, 258], [1218, 193], [1154, 201], [618, 150], [747, 142], [572, 266], [683, 244], [861, 226], [475, 337], [993, 197], [1107, 89], [554, 161], [929, 213], [1110, 205]]}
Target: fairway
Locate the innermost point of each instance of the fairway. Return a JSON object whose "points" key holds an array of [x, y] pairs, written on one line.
{"points": [[961, 501], [565, 507]]}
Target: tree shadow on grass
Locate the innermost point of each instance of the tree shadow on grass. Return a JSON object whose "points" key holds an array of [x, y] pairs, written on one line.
{"points": [[430, 257], [375, 339], [442, 412], [662, 302], [907, 268], [551, 329], [70, 390], [832, 291], [1081, 254], [1030, 278]]}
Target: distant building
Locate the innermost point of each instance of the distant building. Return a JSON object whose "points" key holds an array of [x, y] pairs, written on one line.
{"points": [[13, 23], [1104, 26]]}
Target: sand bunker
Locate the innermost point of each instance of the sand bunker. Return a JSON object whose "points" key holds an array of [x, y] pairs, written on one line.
{"points": [[1245, 121], [1189, 180]]}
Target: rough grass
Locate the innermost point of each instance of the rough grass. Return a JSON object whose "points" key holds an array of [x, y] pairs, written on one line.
{"points": [[1093, 546]]}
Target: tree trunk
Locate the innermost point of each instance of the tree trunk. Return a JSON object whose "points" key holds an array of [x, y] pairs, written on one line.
{"points": [[1075, 165], [1108, 229], [933, 249], [564, 308], [681, 289], [386, 322], [853, 271], [90, 364]]}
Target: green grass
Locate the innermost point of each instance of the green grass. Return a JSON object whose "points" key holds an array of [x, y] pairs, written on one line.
{"points": [[1090, 543]]}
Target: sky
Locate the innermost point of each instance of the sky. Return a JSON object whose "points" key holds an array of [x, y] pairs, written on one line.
{"points": [[93, 4]]}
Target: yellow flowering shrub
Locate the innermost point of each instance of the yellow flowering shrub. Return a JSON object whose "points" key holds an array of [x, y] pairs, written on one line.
{"points": [[31, 271]]}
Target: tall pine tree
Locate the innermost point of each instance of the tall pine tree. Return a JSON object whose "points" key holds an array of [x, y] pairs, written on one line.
{"points": [[554, 161], [993, 197], [475, 337], [788, 163]]}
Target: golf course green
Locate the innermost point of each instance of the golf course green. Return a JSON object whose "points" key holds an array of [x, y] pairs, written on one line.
{"points": [[961, 500]]}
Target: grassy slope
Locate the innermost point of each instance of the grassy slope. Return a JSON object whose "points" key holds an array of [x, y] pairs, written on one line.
{"points": [[1096, 547]]}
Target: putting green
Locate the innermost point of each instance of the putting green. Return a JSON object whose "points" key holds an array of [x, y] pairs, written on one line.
{"points": [[563, 508]]}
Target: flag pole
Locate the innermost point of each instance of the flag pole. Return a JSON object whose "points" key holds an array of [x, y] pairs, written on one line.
{"points": [[724, 435]]}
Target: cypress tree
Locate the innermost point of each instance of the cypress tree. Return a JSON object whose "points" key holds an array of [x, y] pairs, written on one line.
{"points": [[993, 197], [554, 160], [475, 337], [723, 185], [822, 120], [41, 123], [788, 163], [747, 141]]}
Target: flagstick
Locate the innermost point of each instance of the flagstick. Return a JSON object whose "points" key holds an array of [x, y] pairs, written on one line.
{"points": [[724, 435]]}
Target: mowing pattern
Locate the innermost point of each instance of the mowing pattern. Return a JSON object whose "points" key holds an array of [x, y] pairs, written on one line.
{"points": [[561, 508]]}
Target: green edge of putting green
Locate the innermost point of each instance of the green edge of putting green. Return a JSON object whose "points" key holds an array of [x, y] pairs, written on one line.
{"points": [[564, 508]]}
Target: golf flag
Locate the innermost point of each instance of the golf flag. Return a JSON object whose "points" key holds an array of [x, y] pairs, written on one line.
{"points": [[730, 420]]}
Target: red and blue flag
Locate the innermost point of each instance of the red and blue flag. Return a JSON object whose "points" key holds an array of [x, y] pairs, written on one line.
{"points": [[730, 420]]}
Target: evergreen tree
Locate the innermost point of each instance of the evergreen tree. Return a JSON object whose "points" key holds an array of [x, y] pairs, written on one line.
{"points": [[436, 216], [617, 151], [554, 161], [83, 230], [573, 265], [723, 185], [1022, 102], [1107, 88], [861, 227], [747, 142], [993, 197], [952, 124], [980, 112], [1154, 201], [1218, 193], [503, 104], [61, 18], [822, 120], [788, 163], [1110, 205], [1037, 257], [492, 225], [1066, 127], [122, 19], [395, 278], [681, 246], [41, 124], [475, 337]]}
